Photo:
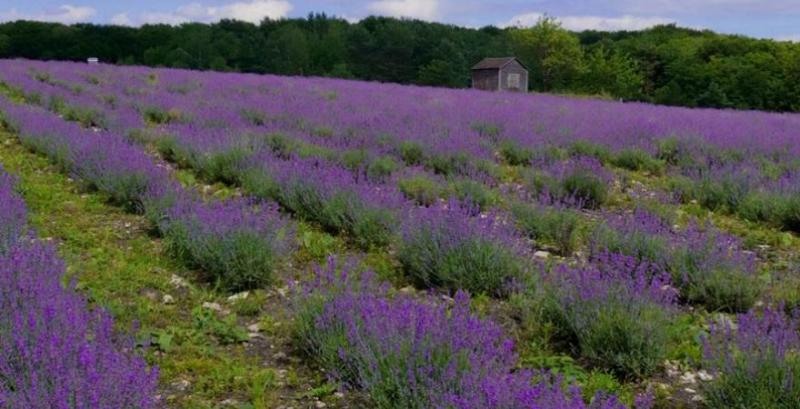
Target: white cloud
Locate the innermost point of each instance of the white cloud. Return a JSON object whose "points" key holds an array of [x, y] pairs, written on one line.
{"points": [[121, 19], [65, 13], [421, 9], [704, 6], [790, 37], [579, 23], [252, 11]]}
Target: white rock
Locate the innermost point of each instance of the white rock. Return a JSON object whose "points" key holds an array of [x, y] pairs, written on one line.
{"points": [[689, 390], [178, 281], [704, 376], [338, 395], [212, 306], [283, 291], [167, 299], [320, 404], [688, 377], [241, 296], [254, 327], [542, 254], [181, 385]]}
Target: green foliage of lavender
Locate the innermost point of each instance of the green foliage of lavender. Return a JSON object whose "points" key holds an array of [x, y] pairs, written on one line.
{"points": [[708, 266], [756, 363], [550, 225], [453, 247], [614, 313], [637, 159], [580, 181], [410, 353], [515, 155], [236, 244], [421, 189]]}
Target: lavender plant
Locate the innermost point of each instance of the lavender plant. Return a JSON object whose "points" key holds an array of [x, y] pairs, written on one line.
{"points": [[236, 243], [56, 351], [756, 363], [453, 247], [613, 313], [12, 213], [409, 353], [579, 181], [708, 266], [550, 225]]}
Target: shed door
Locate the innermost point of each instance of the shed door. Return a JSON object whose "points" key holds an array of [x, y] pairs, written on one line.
{"points": [[512, 81]]}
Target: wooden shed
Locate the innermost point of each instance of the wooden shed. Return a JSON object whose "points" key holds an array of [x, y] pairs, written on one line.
{"points": [[500, 74]]}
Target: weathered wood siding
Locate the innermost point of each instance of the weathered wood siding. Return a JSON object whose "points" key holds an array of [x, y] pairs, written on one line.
{"points": [[485, 79], [514, 77]]}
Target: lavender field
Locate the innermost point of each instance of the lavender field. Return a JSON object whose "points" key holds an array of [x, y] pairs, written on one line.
{"points": [[197, 239]]}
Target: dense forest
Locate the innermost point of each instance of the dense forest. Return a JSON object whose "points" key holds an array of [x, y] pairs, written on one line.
{"points": [[665, 64]]}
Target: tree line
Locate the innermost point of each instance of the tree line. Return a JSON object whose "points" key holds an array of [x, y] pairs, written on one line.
{"points": [[665, 64]]}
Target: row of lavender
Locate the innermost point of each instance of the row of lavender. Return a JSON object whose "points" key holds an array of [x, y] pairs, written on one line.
{"points": [[704, 263], [236, 242], [56, 351], [451, 246], [488, 380], [220, 150], [449, 131]]}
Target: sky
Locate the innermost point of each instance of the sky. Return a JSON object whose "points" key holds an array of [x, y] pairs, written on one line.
{"points": [[778, 19]]}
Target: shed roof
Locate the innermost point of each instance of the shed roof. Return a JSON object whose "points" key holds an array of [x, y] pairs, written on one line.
{"points": [[496, 63]]}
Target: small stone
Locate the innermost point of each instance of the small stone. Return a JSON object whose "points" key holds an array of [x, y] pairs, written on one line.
{"points": [[705, 376], [229, 402], [689, 390], [283, 291], [212, 306], [407, 289], [254, 327], [240, 296], [320, 404], [167, 299], [542, 254], [178, 281], [698, 398], [338, 395], [181, 385], [254, 335], [151, 295], [688, 377], [280, 357]]}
